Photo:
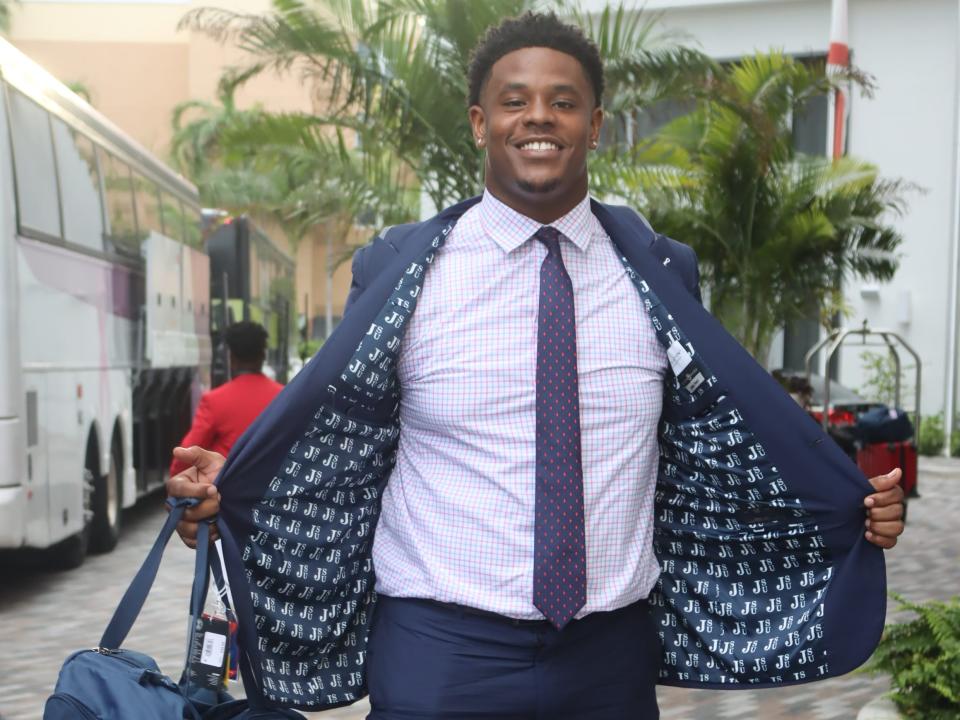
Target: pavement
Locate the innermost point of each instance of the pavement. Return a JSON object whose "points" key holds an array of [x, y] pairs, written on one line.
{"points": [[45, 615]]}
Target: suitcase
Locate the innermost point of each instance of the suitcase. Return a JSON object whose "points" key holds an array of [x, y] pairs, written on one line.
{"points": [[880, 458]]}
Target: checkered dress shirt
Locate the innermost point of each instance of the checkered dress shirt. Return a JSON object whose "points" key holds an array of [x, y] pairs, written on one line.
{"points": [[457, 521]]}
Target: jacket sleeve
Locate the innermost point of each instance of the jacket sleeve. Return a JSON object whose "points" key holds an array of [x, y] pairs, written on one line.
{"points": [[202, 432]]}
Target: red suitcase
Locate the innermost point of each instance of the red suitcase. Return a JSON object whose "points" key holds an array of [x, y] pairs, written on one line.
{"points": [[880, 458]]}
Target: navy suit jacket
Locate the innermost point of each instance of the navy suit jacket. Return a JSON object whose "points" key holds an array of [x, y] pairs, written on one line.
{"points": [[766, 576]]}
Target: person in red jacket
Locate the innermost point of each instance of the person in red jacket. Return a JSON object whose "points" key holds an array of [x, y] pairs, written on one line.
{"points": [[225, 412]]}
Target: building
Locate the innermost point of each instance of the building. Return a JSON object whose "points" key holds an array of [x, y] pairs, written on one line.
{"points": [[909, 129], [136, 65]]}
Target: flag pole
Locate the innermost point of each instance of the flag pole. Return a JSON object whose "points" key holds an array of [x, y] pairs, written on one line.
{"points": [[838, 62], [950, 381]]}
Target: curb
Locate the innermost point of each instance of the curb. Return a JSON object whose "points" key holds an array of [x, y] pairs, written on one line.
{"points": [[939, 465]]}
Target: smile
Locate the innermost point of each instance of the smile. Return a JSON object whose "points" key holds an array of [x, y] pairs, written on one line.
{"points": [[539, 147]]}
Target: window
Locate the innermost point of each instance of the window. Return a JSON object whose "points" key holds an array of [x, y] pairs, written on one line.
{"points": [[79, 186], [627, 130], [147, 197], [192, 232], [38, 206], [809, 137], [171, 216], [118, 204], [810, 126]]}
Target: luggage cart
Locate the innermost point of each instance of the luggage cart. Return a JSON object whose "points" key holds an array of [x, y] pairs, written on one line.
{"points": [[874, 458]]}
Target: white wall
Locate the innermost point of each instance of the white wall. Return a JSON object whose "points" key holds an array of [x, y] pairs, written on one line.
{"points": [[907, 129]]}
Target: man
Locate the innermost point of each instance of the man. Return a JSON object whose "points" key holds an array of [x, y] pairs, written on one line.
{"points": [[225, 412], [499, 378]]}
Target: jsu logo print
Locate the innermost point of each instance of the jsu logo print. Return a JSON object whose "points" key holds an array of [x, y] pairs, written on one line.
{"points": [[735, 548], [308, 559]]}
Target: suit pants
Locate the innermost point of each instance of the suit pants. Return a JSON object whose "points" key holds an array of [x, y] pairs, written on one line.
{"points": [[433, 661]]}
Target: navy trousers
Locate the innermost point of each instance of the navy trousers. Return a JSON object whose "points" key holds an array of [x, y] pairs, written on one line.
{"points": [[432, 661]]}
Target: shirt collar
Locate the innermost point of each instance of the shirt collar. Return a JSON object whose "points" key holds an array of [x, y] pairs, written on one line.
{"points": [[510, 229]]}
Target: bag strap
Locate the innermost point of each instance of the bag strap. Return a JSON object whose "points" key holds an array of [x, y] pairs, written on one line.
{"points": [[201, 571], [198, 595], [132, 602]]}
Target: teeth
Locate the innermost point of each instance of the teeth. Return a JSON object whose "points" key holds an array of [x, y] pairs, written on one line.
{"points": [[539, 146]]}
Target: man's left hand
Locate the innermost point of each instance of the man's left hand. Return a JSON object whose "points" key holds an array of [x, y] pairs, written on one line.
{"points": [[885, 510]]}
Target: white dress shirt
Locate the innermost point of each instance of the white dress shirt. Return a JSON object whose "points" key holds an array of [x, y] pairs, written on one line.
{"points": [[457, 521]]}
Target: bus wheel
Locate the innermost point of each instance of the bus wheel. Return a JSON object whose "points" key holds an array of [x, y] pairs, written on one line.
{"points": [[70, 553], [106, 506]]}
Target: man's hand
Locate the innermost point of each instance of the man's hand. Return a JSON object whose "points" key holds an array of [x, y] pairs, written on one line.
{"points": [[885, 510], [197, 482]]}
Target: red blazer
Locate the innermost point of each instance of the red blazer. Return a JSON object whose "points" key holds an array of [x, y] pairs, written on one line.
{"points": [[225, 412]]}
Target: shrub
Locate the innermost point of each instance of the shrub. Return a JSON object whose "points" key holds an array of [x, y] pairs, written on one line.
{"points": [[931, 437], [923, 659], [880, 379]]}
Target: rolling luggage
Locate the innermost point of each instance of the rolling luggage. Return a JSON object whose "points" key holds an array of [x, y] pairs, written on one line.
{"points": [[882, 457]]}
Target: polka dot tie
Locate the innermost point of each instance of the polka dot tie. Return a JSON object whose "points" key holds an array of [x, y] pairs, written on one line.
{"points": [[559, 559]]}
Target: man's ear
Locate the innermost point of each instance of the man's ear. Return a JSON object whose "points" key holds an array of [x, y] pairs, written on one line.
{"points": [[596, 122], [478, 123]]}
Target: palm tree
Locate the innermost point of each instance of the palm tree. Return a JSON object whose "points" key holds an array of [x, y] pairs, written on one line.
{"points": [[198, 126], [5, 15], [293, 167], [773, 228], [393, 72]]}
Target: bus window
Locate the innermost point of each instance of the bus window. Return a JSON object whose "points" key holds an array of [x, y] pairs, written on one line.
{"points": [[192, 230], [171, 216], [118, 202], [79, 186], [147, 197], [38, 207]]}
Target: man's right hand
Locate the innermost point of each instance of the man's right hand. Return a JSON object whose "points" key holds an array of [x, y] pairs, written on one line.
{"points": [[197, 482]]}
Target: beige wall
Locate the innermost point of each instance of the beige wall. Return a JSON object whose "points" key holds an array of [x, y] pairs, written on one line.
{"points": [[138, 66], [135, 85]]}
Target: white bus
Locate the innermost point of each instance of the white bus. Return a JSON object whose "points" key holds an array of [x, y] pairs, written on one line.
{"points": [[104, 316]]}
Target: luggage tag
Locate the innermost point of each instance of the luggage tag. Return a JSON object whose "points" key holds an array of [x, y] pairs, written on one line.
{"points": [[208, 652], [209, 645]]}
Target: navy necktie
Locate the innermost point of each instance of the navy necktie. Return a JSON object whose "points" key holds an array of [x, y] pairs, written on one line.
{"points": [[559, 561]]}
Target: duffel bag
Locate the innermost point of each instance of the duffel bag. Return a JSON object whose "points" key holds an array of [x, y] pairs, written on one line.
{"points": [[884, 424], [113, 683]]}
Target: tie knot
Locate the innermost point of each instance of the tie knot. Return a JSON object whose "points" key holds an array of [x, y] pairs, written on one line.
{"points": [[550, 237]]}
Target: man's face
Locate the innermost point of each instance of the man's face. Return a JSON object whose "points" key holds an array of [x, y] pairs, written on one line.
{"points": [[536, 119]]}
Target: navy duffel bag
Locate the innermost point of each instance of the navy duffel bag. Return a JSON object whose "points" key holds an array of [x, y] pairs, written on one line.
{"points": [[111, 683], [883, 424]]}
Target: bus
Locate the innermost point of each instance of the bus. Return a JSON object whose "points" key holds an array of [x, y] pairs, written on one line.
{"points": [[104, 316], [250, 279]]}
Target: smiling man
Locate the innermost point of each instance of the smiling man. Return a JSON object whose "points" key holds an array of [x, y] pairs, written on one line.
{"points": [[535, 112], [575, 491]]}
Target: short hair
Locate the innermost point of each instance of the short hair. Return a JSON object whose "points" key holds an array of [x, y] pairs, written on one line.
{"points": [[533, 30], [247, 341]]}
